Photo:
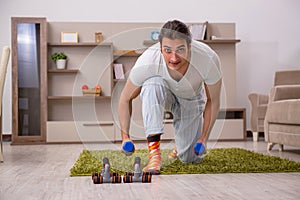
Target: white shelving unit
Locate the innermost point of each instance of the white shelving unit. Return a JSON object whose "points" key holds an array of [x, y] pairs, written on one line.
{"points": [[74, 118]]}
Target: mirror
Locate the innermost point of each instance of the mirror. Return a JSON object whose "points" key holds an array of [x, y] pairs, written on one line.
{"points": [[29, 66], [29, 103]]}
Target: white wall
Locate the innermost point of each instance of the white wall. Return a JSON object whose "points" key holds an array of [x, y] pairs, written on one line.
{"points": [[269, 31]]}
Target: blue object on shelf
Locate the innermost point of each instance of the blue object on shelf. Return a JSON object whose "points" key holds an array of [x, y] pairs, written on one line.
{"points": [[154, 35]]}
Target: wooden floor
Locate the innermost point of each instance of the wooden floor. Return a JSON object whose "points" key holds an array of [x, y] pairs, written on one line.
{"points": [[42, 172]]}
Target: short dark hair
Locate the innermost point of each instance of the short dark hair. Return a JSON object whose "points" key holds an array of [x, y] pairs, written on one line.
{"points": [[175, 29]]}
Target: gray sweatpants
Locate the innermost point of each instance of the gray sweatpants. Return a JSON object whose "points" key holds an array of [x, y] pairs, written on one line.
{"points": [[187, 115]]}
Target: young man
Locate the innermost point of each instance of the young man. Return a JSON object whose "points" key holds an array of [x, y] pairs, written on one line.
{"points": [[179, 75]]}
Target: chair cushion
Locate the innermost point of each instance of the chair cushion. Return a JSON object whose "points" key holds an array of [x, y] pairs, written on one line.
{"points": [[285, 134], [284, 112]]}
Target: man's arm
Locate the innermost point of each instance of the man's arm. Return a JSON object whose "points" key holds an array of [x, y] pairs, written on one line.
{"points": [[212, 107], [129, 92]]}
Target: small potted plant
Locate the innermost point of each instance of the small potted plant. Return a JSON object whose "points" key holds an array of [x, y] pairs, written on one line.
{"points": [[61, 60]]}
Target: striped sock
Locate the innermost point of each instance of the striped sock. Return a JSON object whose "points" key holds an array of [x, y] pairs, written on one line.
{"points": [[173, 154], [154, 158]]}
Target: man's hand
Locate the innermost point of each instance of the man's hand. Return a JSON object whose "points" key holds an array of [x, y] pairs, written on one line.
{"points": [[128, 147], [199, 148]]}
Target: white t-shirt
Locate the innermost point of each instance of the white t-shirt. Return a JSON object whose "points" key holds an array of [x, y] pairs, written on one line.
{"points": [[204, 68]]}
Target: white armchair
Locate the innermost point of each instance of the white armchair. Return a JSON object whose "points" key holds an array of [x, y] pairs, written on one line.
{"points": [[3, 68], [259, 103], [282, 121]]}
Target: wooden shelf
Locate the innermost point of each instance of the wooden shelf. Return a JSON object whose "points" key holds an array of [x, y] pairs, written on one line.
{"points": [[63, 71], [81, 44], [127, 55], [216, 41], [120, 80], [91, 123], [232, 113], [149, 42], [221, 41], [77, 97]]}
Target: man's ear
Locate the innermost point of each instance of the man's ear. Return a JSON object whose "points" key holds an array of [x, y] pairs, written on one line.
{"points": [[190, 49]]}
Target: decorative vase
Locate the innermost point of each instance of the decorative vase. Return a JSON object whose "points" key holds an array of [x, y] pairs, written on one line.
{"points": [[61, 64]]}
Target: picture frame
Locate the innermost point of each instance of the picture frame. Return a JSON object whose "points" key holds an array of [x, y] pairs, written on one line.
{"points": [[69, 37], [198, 31]]}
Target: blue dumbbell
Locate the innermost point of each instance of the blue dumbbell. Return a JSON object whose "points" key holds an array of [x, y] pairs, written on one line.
{"points": [[128, 148], [199, 148]]}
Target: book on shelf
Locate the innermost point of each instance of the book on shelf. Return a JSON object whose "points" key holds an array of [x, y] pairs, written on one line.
{"points": [[119, 72], [198, 31]]}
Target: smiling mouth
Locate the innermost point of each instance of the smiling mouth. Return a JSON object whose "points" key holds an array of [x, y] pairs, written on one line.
{"points": [[174, 63]]}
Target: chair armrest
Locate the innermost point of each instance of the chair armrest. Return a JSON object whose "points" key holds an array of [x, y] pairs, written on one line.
{"points": [[258, 109], [258, 99], [284, 92]]}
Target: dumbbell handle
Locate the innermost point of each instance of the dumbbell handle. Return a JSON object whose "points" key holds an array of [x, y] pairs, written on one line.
{"points": [[199, 148], [128, 148]]}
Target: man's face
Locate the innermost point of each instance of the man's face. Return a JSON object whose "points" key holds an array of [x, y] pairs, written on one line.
{"points": [[176, 54]]}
